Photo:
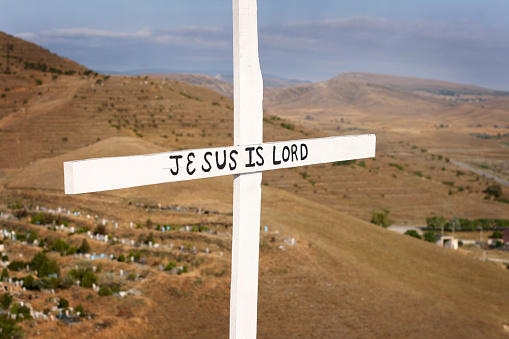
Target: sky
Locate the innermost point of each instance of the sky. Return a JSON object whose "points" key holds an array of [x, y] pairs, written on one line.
{"points": [[464, 41]]}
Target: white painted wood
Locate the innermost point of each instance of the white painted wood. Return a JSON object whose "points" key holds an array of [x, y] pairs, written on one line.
{"points": [[93, 175], [248, 129]]}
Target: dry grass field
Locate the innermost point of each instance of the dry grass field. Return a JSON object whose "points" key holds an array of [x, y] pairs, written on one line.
{"points": [[342, 277]]}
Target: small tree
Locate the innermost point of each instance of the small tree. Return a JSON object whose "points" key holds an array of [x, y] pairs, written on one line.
{"points": [[60, 245], [88, 280], [121, 258], [32, 236], [5, 274], [63, 303], [85, 247], [436, 222], [6, 300], [28, 282], [49, 267], [497, 235], [381, 218]]}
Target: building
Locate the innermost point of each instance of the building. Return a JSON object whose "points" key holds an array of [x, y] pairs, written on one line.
{"points": [[448, 241]]}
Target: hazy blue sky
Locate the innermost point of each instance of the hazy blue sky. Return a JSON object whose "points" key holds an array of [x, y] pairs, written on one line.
{"points": [[463, 41]]}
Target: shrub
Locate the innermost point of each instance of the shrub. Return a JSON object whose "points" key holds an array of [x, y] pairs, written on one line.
{"points": [[81, 310], [71, 250], [105, 291], [9, 328], [381, 218], [5, 274], [344, 163], [121, 258], [60, 245], [28, 282], [494, 190], [289, 126], [397, 166], [32, 236], [38, 260], [429, 236], [17, 265], [6, 300], [63, 303], [88, 279], [170, 265], [49, 267], [497, 235], [413, 233]]}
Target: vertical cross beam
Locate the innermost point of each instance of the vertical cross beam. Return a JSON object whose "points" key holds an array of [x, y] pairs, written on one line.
{"points": [[248, 124]]}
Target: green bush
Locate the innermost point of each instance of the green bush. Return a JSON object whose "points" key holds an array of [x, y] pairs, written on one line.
{"points": [[6, 300], [60, 245], [494, 190], [344, 163], [397, 166], [32, 236], [105, 291], [121, 258], [17, 309], [8, 328], [5, 274], [497, 235], [381, 218], [430, 236], [413, 233], [29, 282], [81, 310], [49, 267], [170, 265], [289, 126], [63, 303], [17, 265], [38, 260], [88, 279]]}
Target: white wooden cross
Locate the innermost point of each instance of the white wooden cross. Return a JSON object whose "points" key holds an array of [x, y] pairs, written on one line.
{"points": [[246, 161]]}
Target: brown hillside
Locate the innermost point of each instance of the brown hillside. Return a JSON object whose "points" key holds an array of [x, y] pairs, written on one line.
{"points": [[202, 80], [26, 56]]}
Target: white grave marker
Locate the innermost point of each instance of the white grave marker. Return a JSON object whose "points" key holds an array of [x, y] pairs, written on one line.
{"points": [[246, 161]]}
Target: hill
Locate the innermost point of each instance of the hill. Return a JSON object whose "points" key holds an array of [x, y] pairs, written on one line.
{"points": [[164, 251], [221, 83], [201, 80]]}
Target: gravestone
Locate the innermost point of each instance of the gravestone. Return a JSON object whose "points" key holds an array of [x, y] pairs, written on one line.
{"points": [[246, 160]]}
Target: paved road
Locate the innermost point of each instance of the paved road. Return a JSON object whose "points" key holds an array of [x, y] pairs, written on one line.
{"points": [[484, 174]]}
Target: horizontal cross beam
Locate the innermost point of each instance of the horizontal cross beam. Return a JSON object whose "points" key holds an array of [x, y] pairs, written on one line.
{"points": [[102, 174]]}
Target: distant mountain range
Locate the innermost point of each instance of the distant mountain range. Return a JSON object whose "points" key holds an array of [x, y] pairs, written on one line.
{"points": [[223, 82]]}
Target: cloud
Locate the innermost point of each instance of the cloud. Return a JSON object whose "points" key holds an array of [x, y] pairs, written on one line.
{"points": [[446, 50], [457, 51]]}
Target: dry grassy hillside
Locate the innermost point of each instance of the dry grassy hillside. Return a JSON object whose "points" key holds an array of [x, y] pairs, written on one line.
{"points": [[169, 246], [419, 129]]}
